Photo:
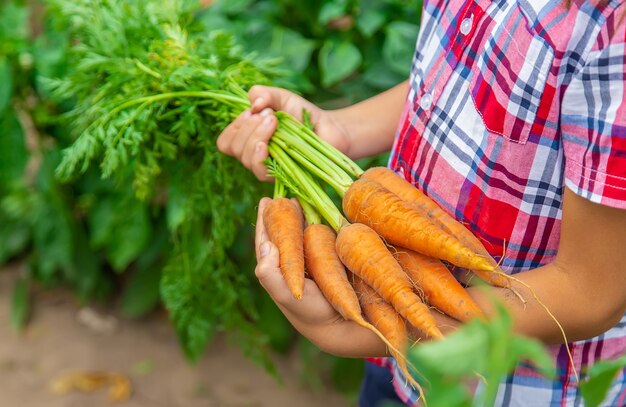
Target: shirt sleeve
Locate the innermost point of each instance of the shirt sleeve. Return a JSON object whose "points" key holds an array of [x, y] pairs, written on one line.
{"points": [[593, 121]]}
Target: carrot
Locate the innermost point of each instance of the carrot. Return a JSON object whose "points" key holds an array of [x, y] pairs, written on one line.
{"points": [[410, 194], [324, 266], [398, 223], [440, 288], [328, 272], [385, 318], [285, 228], [365, 254]]}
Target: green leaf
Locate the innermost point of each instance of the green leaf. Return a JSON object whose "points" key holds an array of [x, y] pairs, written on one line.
{"points": [[13, 153], [461, 353], [13, 27], [399, 46], [120, 224], [20, 304], [337, 61], [50, 53], [130, 236], [233, 7], [102, 221], [142, 292], [369, 21], [87, 271], [601, 375], [194, 327], [380, 76], [6, 83], [14, 236], [177, 205], [528, 349], [53, 233], [274, 324], [293, 47], [490, 349], [332, 10]]}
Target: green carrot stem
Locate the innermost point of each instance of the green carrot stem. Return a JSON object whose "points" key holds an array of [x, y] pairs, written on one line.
{"points": [[307, 185], [238, 103], [295, 141], [328, 150], [219, 96], [310, 214], [321, 169], [279, 189]]}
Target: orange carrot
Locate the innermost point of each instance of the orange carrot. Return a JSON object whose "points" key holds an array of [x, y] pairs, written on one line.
{"points": [[410, 194], [324, 266], [285, 228], [385, 318], [365, 254], [398, 223], [440, 288], [328, 272]]}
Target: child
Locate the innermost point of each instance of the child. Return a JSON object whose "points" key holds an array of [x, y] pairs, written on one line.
{"points": [[514, 121]]}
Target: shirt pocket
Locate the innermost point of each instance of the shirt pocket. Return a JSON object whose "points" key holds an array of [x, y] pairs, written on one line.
{"points": [[509, 76]]}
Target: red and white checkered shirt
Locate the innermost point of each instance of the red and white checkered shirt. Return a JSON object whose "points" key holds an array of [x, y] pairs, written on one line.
{"points": [[510, 102]]}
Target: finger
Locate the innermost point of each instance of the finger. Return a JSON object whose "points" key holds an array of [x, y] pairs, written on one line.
{"points": [[270, 277], [277, 99], [247, 128], [260, 235], [258, 167], [262, 134], [225, 139], [314, 305], [263, 97]]}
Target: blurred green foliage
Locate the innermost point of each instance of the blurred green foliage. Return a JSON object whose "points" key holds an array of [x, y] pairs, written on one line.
{"points": [[337, 51], [92, 233]]}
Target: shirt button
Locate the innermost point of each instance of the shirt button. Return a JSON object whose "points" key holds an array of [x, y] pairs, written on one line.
{"points": [[466, 25], [426, 101]]}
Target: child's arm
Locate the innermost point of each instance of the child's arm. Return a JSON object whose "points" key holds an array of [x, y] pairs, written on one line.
{"points": [[585, 287], [362, 130]]}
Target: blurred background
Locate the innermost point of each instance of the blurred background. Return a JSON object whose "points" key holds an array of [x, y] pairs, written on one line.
{"points": [[127, 271]]}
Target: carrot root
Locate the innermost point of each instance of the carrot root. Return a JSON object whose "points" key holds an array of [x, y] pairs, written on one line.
{"points": [[421, 202], [385, 318], [329, 274], [363, 252], [400, 224], [284, 224], [439, 286]]}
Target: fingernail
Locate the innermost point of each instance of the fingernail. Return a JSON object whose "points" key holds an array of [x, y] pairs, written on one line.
{"points": [[264, 249], [247, 114], [258, 147], [257, 102], [267, 120], [266, 112]]}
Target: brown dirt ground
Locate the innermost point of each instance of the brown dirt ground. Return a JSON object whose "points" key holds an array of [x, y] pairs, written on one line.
{"points": [[55, 342]]}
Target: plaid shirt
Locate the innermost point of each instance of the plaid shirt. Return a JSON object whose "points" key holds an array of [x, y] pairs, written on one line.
{"points": [[510, 101]]}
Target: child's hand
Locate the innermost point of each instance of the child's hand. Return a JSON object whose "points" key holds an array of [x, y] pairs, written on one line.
{"points": [[312, 316], [247, 136]]}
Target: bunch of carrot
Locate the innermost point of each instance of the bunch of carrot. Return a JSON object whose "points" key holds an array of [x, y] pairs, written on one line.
{"points": [[392, 241]]}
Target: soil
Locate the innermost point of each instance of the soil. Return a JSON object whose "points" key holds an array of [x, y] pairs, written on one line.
{"points": [[56, 342]]}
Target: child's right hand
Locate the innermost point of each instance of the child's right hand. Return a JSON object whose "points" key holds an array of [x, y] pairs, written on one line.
{"points": [[247, 136]]}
